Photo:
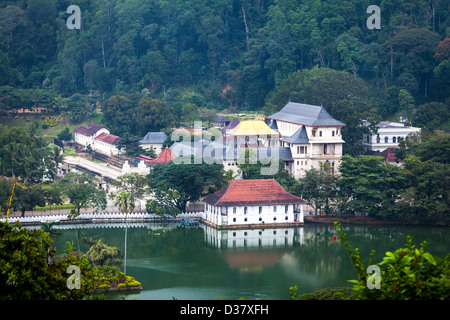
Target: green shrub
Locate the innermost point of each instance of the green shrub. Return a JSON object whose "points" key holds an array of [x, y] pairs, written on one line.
{"points": [[341, 293], [405, 274]]}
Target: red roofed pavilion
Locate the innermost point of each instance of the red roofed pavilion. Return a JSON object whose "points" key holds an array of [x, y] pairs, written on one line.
{"points": [[164, 157], [253, 202]]}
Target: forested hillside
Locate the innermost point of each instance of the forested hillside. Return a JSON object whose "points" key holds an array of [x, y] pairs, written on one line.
{"points": [[244, 54]]}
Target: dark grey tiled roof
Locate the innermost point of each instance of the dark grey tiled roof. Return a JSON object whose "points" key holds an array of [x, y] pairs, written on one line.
{"points": [[220, 150], [230, 125], [305, 114], [301, 136], [154, 137], [221, 118], [273, 124]]}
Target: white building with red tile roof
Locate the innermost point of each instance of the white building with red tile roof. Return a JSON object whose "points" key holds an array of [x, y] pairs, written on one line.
{"points": [[106, 143], [98, 137], [84, 135], [251, 202]]}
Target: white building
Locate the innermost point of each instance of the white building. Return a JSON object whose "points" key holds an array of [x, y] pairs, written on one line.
{"points": [[153, 140], [257, 202], [106, 143], [388, 136], [98, 137], [84, 135], [311, 133]]}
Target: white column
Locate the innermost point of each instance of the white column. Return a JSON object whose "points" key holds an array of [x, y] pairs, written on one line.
{"points": [[301, 213]]}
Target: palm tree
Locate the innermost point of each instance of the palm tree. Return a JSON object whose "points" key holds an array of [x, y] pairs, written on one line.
{"points": [[33, 129], [57, 156], [125, 203]]}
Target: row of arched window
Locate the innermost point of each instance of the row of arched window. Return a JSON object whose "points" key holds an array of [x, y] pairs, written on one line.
{"points": [[260, 219], [386, 139]]}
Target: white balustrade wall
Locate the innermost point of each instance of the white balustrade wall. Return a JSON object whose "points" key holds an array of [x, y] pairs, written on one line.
{"points": [[103, 216]]}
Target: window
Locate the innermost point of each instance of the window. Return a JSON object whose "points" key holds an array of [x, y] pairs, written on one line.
{"points": [[234, 220], [260, 210], [245, 219], [302, 150], [393, 140], [286, 209], [286, 217], [274, 208], [298, 149], [306, 149], [260, 219], [320, 133], [245, 210], [378, 139], [234, 209], [386, 140], [274, 218], [332, 133]]}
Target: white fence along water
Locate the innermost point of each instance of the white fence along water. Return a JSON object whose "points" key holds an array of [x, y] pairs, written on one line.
{"points": [[131, 216]]}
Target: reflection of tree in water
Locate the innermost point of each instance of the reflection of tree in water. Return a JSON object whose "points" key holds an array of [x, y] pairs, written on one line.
{"points": [[320, 256], [179, 243], [388, 238]]}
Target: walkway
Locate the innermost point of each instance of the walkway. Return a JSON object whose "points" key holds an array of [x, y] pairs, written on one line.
{"points": [[100, 169]]}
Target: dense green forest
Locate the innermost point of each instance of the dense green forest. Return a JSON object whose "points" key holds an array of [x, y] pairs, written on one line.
{"points": [[241, 54]]}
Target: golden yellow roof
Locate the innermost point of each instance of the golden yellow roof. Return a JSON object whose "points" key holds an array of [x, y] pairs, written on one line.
{"points": [[252, 128]]}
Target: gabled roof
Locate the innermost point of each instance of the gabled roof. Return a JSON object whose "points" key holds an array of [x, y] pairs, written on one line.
{"points": [[252, 192], [220, 150], [88, 130], [108, 138], [231, 125], [154, 137], [300, 136], [164, 157], [305, 114], [221, 118], [273, 124]]}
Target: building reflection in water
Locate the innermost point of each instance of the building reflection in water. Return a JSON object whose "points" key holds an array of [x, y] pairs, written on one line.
{"points": [[253, 238]]}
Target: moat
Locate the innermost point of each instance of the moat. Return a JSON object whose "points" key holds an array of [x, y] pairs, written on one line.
{"points": [[193, 263]]}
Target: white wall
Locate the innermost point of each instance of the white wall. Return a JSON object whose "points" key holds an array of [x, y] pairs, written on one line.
{"points": [[86, 140], [157, 147], [390, 133], [251, 214]]}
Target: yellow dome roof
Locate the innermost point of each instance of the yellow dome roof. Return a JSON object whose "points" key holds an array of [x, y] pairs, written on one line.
{"points": [[252, 128]]}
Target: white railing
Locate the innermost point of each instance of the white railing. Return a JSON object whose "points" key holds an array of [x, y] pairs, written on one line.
{"points": [[102, 216]]}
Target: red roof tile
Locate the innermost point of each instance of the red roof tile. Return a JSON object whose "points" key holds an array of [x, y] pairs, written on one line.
{"points": [[252, 192], [107, 138], [164, 157], [88, 130]]}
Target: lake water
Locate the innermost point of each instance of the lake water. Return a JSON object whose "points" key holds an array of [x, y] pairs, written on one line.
{"points": [[202, 263]]}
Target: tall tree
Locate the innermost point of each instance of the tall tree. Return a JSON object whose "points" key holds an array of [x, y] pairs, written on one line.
{"points": [[82, 190]]}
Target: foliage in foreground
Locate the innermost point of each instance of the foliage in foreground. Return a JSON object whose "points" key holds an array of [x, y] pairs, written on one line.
{"points": [[408, 273], [341, 293], [30, 270]]}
